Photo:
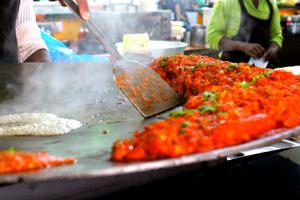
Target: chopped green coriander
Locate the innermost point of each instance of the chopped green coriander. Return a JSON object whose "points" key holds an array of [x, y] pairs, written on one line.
{"points": [[11, 150], [163, 62], [268, 73], [209, 96], [245, 84], [232, 66], [181, 113], [185, 124], [254, 80], [222, 113], [208, 108], [201, 64], [181, 131]]}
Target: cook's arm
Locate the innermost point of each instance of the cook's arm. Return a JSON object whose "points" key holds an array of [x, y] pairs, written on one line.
{"points": [[40, 55], [254, 50], [31, 46], [83, 8], [276, 37], [275, 29], [216, 28]]}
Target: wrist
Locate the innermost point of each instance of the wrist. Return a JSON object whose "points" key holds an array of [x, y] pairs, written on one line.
{"points": [[274, 46]]}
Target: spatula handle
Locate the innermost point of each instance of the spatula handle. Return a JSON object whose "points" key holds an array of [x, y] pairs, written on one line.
{"points": [[108, 45]]}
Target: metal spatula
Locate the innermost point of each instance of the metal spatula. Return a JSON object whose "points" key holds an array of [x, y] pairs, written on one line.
{"points": [[145, 89]]}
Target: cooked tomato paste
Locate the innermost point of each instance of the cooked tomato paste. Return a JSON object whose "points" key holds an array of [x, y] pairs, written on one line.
{"points": [[227, 104], [17, 161]]}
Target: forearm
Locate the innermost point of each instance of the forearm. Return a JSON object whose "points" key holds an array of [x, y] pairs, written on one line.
{"points": [[254, 50], [275, 28], [40, 55], [272, 52], [227, 44], [216, 29]]}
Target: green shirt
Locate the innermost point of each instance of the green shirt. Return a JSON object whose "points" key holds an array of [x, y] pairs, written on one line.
{"points": [[226, 18]]}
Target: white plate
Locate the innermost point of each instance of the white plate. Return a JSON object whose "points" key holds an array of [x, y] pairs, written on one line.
{"points": [[295, 69]]}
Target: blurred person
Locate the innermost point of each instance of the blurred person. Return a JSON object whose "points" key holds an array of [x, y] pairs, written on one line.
{"points": [[20, 39], [244, 29], [178, 9]]}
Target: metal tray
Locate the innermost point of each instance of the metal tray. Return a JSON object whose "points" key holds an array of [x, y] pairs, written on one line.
{"points": [[89, 95]]}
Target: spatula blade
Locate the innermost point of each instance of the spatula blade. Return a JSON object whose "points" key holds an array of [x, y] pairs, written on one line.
{"points": [[144, 88]]}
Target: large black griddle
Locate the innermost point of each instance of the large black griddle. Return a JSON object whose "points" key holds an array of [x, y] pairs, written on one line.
{"points": [[87, 93]]}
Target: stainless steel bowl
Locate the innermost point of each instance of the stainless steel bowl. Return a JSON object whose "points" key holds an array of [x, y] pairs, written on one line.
{"points": [[198, 36], [293, 28], [296, 18]]}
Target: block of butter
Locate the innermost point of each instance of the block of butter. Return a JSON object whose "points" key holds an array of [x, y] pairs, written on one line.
{"points": [[136, 43]]}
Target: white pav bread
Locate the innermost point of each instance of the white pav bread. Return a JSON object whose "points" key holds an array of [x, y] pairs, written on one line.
{"points": [[36, 124]]}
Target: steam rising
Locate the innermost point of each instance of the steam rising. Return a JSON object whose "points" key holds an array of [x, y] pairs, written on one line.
{"points": [[84, 91]]}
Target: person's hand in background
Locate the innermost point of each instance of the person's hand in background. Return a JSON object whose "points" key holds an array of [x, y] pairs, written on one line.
{"points": [[272, 52], [83, 8], [253, 49]]}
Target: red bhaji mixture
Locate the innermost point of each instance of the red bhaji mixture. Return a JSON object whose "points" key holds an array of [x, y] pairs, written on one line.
{"points": [[17, 161], [227, 104]]}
